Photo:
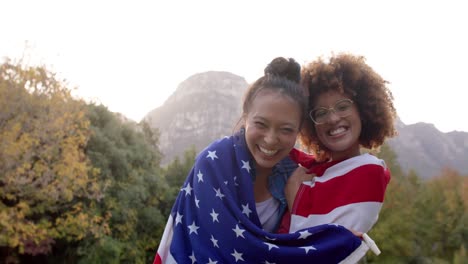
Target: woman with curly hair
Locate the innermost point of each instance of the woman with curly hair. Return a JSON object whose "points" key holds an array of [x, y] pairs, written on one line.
{"points": [[350, 108]]}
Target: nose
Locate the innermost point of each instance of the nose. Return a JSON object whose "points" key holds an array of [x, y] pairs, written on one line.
{"points": [[333, 117], [271, 137]]}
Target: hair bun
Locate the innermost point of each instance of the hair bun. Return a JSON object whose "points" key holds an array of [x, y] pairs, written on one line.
{"points": [[282, 67]]}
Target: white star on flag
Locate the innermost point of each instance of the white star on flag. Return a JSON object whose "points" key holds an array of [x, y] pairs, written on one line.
{"points": [[308, 248], [214, 215], [200, 176], [246, 210], [246, 165], [215, 241], [270, 246], [239, 232], [212, 155], [304, 234], [218, 193], [212, 261], [197, 202], [193, 228], [192, 257], [188, 189], [237, 255], [178, 219]]}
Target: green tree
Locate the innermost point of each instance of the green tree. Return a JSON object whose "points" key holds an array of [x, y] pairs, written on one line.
{"points": [[441, 216], [394, 231], [421, 221], [45, 185], [127, 158], [175, 174]]}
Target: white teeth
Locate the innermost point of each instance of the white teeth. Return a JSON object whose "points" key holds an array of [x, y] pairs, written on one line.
{"points": [[267, 152], [337, 131]]}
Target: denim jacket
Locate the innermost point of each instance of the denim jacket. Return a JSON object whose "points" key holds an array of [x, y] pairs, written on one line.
{"points": [[277, 181]]}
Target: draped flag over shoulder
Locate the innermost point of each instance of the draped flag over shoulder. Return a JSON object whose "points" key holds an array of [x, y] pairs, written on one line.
{"points": [[349, 193], [214, 220]]}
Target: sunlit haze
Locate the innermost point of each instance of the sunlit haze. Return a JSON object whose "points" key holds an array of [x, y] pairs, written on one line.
{"points": [[131, 55]]}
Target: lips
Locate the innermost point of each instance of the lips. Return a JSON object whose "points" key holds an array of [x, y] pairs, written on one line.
{"points": [[267, 152]]}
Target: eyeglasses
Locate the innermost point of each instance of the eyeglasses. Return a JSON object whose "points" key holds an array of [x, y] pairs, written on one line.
{"points": [[342, 108]]}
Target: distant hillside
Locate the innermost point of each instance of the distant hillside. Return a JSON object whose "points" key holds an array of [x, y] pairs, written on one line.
{"points": [[206, 106], [427, 150]]}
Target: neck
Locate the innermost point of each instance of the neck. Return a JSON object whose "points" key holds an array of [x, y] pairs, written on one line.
{"points": [[345, 155], [261, 192]]}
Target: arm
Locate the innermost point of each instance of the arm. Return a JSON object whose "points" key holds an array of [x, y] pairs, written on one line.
{"points": [[299, 176]]}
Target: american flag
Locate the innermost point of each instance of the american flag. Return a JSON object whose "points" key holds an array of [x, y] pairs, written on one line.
{"points": [[349, 193], [214, 219]]}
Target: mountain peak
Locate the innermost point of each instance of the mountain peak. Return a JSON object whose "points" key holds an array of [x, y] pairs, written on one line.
{"points": [[204, 107], [208, 82]]}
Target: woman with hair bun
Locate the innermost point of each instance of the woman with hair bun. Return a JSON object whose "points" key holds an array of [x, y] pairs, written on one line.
{"points": [[231, 204]]}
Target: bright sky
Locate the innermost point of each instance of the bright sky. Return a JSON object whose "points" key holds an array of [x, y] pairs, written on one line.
{"points": [[131, 55]]}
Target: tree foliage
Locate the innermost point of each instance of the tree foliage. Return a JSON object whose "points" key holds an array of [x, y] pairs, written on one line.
{"points": [[127, 158], [176, 173], [422, 221], [45, 185]]}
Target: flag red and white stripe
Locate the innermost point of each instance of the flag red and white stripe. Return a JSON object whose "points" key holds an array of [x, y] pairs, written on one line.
{"points": [[349, 193]]}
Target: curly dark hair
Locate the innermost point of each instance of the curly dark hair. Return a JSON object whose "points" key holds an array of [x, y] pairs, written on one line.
{"points": [[350, 75]]}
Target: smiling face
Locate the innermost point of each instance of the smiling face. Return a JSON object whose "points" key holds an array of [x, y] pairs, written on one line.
{"points": [[271, 127], [339, 134]]}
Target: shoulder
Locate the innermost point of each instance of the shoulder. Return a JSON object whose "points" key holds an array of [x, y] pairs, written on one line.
{"points": [[364, 163], [375, 166], [301, 157], [367, 159], [216, 147], [220, 153]]}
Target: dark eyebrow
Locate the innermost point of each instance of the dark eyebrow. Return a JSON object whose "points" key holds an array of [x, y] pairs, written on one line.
{"points": [[259, 118]]}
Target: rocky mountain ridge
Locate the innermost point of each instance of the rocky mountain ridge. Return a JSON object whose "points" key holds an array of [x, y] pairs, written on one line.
{"points": [[206, 106]]}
